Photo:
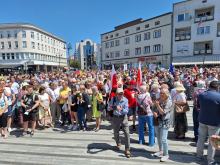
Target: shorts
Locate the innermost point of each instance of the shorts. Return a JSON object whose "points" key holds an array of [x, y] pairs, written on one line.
{"points": [[10, 112], [32, 116], [3, 120], [132, 111], [73, 109]]}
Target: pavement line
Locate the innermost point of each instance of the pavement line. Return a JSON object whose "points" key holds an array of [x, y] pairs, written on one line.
{"points": [[20, 163], [100, 146], [123, 159]]}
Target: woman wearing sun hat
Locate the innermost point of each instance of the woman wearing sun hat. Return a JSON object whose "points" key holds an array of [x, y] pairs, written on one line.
{"points": [[180, 121]]}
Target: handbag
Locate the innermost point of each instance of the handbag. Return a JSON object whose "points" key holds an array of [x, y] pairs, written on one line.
{"points": [[182, 108], [141, 109], [100, 106]]}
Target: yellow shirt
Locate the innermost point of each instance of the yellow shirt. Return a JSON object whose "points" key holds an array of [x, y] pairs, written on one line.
{"points": [[64, 93]]}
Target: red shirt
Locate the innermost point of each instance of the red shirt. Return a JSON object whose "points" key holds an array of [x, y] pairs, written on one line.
{"points": [[129, 94]]}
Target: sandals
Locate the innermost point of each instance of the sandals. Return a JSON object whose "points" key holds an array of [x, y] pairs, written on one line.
{"points": [[128, 154]]}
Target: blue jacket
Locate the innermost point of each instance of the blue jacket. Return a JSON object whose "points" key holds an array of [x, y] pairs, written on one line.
{"points": [[209, 103]]}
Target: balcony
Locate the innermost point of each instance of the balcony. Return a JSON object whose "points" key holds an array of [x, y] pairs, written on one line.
{"points": [[206, 14], [203, 48], [183, 34]]}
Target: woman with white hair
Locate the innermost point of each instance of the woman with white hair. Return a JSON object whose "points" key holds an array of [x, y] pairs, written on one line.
{"points": [[145, 115], [163, 114]]}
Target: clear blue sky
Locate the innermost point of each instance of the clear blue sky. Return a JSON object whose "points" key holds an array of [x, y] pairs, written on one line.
{"points": [[74, 20]]}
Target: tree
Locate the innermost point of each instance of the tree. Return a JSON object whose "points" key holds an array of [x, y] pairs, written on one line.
{"points": [[75, 64]]}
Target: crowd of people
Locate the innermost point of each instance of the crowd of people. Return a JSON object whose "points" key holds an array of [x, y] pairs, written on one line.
{"points": [[156, 104]]}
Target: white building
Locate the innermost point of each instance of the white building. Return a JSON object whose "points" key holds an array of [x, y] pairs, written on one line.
{"points": [[148, 41], [196, 32], [26, 46], [86, 53]]}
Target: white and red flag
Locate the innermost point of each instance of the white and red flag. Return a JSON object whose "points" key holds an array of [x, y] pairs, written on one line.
{"points": [[113, 78], [139, 75]]}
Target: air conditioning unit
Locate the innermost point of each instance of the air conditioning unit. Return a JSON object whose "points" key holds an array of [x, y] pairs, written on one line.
{"points": [[210, 17], [182, 38], [177, 38], [196, 52], [188, 37], [209, 51], [204, 18], [197, 19], [202, 51]]}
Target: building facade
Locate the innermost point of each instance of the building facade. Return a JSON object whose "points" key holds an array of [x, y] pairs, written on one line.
{"points": [[196, 32], [148, 41], [86, 53], [28, 47]]}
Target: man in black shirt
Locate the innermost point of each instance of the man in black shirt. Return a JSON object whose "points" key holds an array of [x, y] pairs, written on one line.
{"points": [[30, 103]]}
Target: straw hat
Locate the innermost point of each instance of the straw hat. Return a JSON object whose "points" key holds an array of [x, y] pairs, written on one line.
{"points": [[180, 87]]}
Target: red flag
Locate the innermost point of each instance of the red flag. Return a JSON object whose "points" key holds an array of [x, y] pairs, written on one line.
{"points": [[139, 75], [195, 69], [113, 78]]}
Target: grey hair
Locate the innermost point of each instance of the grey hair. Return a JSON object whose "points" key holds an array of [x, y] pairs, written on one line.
{"points": [[143, 88]]}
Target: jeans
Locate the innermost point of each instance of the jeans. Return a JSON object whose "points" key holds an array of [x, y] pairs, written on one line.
{"points": [[81, 114], [142, 120], [162, 134], [196, 123], [203, 131]]}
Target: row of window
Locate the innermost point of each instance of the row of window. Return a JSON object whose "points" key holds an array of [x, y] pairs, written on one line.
{"points": [[34, 35], [24, 56], [138, 38], [138, 51], [137, 29], [33, 46]]}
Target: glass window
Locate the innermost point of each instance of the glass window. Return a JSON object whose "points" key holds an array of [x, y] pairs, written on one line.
{"points": [[111, 54], [16, 44], [1, 35], [117, 43], [24, 44], [32, 35], [157, 48], [37, 36], [126, 32], [138, 38], [117, 54], [23, 34], [147, 36], [147, 49], [138, 51], [127, 40], [147, 26], [9, 44], [112, 44], [2, 45], [9, 34], [15, 34], [207, 30], [22, 55], [12, 56], [127, 52], [3, 56], [138, 28], [8, 56], [38, 45], [157, 23], [17, 56], [107, 45], [157, 33], [180, 17], [33, 45]]}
